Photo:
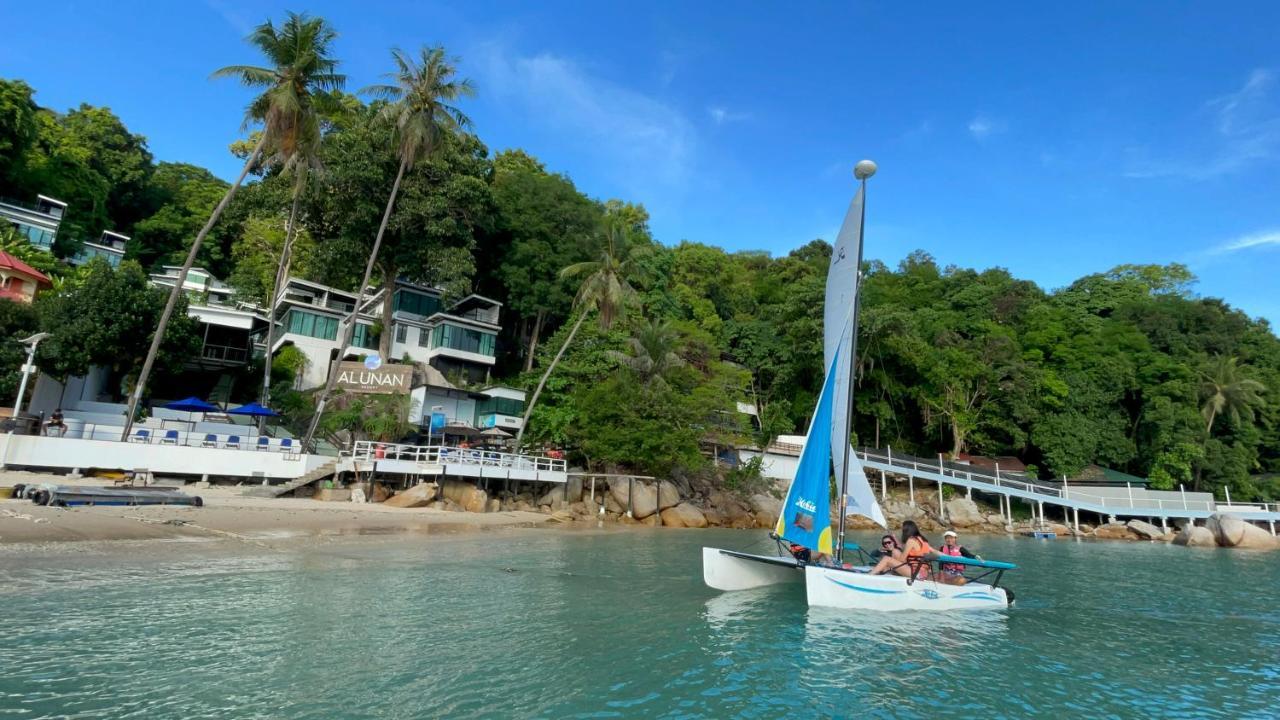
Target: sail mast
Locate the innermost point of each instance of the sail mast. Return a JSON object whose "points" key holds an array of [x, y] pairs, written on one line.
{"points": [[863, 170]]}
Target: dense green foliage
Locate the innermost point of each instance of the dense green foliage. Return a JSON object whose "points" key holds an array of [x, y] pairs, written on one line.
{"points": [[99, 319], [1126, 368]]}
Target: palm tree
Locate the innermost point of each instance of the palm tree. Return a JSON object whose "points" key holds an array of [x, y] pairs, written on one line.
{"points": [[1224, 391], [605, 288], [653, 351], [302, 163], [301, 64], [421, 109]]}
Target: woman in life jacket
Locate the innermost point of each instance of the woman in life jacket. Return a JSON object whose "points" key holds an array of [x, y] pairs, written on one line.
{"points": [[953, 573], [910, 559]]}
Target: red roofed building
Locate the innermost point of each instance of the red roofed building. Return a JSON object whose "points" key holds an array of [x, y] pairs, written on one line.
{"points": [[19, 281]]}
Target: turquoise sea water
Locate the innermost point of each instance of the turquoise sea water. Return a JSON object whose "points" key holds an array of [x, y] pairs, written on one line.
{"points": [[530, 623]]}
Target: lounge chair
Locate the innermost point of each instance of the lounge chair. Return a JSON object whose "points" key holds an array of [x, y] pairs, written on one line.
{"points": [[286, 445], [142, 436], [170, 438], [264, 443], [233, 442], [210, 440]]}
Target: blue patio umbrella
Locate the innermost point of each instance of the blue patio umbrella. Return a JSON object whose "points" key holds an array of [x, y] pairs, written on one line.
{"points": [[254, 410], [192, 404]]}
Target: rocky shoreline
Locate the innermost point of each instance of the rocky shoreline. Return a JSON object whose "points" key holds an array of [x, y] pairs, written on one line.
{"points": [[627, 501]]}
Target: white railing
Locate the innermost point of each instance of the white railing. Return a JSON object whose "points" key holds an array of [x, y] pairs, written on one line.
{"points": [[448, 454], [178, 438], [1064, 495]]}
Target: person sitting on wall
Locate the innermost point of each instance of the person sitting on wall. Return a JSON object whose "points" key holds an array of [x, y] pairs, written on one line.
{"points": [[56, 421]]}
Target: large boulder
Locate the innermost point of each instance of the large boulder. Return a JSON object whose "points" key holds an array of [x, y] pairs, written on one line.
{"points": [[469, 497], [668, 495], [419, 495], [1114, 531], [732, 511], [644, 502], [1145, 530], [1195, 536], [963, 513], [766, 509], [684, 515], [1236, 533], [573, 488]]}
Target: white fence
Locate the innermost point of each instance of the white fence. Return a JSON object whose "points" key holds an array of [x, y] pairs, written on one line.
{"points": [[449, 455]]}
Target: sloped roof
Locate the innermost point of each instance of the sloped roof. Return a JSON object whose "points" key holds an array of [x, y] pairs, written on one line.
{"points": [[1098, 475], [9, 262]]}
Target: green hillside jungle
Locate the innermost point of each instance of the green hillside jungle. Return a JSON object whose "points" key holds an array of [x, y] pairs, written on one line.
{"points": [[1127, 368]]}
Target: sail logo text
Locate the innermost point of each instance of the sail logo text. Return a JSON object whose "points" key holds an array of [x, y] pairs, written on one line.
{"points": [[808, 505]]}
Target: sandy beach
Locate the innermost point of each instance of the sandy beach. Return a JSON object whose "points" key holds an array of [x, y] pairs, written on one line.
{"points": [[227, 514]]}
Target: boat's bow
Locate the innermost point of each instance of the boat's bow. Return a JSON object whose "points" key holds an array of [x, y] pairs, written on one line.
{"points": [[731, 570]]}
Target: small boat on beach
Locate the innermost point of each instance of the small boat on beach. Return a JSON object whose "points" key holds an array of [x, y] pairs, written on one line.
{"points": [[73, 495], [803, 529]]}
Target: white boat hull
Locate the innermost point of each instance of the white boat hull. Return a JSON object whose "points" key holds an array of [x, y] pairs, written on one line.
{"points": [[731, 570], [828, 587]]}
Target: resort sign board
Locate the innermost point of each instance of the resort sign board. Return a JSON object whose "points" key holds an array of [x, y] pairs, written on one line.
{"points": [[384, 380]]}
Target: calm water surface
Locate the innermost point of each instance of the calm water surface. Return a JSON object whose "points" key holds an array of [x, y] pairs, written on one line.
{"points": [[532, 623]]}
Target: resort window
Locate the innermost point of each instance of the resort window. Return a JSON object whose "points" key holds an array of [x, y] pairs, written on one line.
{"points": [[402, 333], [36, 236], [312, 325], [500, 406], [363, 337], [464, 339], [416, 303]]}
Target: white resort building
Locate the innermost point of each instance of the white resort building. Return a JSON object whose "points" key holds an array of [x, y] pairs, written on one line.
{"points": [[38, 222]]}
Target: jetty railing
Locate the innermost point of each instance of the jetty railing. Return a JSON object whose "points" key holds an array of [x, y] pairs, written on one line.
{"points": [[1066, 495], [442, 454], [248, 440]]}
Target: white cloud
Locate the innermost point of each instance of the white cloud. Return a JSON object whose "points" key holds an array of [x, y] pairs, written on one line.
{"points": [[643, 138], [1266, 238], [1246, 130], [230, 16], [981, 127], [720, 115]]}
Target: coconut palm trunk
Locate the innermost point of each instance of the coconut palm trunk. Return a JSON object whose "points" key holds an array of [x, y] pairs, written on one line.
{"points": [[543, 380], [533, 340], [158, 338], [282, 277], [348, 330]]}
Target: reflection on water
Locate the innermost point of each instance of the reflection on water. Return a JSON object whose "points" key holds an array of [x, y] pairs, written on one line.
{"points": [[542, 624]]}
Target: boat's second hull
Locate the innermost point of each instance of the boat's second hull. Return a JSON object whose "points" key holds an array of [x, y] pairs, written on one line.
{"points": [[828, 587], [730, 570]]}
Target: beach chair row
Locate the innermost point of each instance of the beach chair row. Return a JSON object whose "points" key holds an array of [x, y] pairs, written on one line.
{"points": [[212, 440]]}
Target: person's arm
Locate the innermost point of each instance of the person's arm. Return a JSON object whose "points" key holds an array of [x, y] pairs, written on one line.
{"points": [[965, 552]]}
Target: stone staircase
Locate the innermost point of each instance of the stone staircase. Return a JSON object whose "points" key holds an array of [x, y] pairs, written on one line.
{"points": [[319, 473]]}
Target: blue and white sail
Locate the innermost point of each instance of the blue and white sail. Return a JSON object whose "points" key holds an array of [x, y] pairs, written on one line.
{"points": [[806, 513], [839, 328]]}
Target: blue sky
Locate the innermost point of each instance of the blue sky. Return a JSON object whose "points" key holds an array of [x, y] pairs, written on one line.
{"points": [[1052, 139]]}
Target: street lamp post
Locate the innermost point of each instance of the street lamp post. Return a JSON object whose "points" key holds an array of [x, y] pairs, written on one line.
{"points": [[27, 369]]}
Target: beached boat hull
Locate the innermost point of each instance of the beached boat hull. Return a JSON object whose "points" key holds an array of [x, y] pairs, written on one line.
{"points": [[828, 587], [731, 570]]}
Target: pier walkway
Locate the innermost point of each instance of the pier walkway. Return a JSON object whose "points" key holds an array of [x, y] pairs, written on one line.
{"points": [[444, 460], [930, 475], [1135, 503]]}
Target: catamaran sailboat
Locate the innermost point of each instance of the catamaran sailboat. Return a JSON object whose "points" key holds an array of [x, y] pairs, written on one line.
{"points": [[805, 517]]}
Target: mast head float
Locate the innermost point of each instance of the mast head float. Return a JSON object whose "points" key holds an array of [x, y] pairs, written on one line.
{"points": [[864, 169]]}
